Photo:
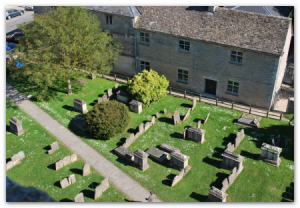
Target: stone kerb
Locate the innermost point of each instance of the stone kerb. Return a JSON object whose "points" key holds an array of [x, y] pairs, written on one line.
{"points": [[80, 105], [16, 126], [187, 114], [15, 160], [79, 197], [206, 118], [54, 146], [65, 161], [101, 188]]}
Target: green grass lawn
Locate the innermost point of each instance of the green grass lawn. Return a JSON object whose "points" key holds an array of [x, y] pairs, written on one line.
{"points": [[258, 182], [38, 170], [290, 117]]}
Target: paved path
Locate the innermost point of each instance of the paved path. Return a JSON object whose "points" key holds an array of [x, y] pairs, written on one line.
{"points": [[118, 178]]}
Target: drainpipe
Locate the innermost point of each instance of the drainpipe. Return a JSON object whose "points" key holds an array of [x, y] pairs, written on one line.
{"points": [[135, 48]]}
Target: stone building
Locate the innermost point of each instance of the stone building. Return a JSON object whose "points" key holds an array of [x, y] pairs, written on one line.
{"points": [[219, 52]]}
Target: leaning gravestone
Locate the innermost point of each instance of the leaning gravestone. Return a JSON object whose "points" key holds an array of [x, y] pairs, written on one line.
{"points": [[73, 158], [16, 126], [157, 115], [116, 88], [165, 111], [109, 93], [71, 179], [187, 114], [104, 98], [101, 188], [100, 100], [199, 124], [194, 104], [141, 128], [79, 197], [147, 125], [153, 120], [86, 169], [80, 105], [64, 183], [67, 160], [176, 117], [206, 118], [16, 158], [54, 146], [59, 164]]}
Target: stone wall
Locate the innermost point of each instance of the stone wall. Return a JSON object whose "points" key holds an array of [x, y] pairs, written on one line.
{"points": [[290, 106]]}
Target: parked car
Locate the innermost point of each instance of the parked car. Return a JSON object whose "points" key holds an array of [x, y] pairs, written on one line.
{"points": [[29, 8], [12, 38], [13, 12]]}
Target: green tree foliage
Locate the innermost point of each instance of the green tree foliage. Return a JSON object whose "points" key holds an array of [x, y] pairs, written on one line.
{"points": [[60, 42], [107, 119], [148, 86]]}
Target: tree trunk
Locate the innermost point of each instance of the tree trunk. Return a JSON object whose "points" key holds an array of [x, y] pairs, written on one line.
{"points": [[69, 87]]}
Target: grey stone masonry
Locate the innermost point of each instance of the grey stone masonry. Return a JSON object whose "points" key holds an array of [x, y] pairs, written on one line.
{"points": [[206, 118], [124, 153], [54, 146], [147, 125], [104, 98], [136, 106], [176, 117], [140, 159], [73, 158], [196, 134], [231, 160], [270, 154], [194, 103], [79, 197], [216, 195], [86, 169], [71, 179], [100, 100], [168, 148], [230, 147], [178, 160], [16, 126], [80, 105], [187, 114], [178, 178], [122, 96], [109, 93], [67, 160], [59, 164], [157, 155], [224, 185]]}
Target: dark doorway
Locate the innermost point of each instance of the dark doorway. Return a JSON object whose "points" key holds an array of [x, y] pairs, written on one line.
{"points": [[210, 87]]}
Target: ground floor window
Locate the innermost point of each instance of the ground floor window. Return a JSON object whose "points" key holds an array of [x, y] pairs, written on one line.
{"points": [[182, 75], [145, 65], [233, 87]]}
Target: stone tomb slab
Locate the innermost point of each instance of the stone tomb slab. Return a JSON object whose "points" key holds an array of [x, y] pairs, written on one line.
{"points": [[157, 155], [248, 120], [136, 106], [124, 153], [16, 126], [80, 105], [122, 96], [167, 148], [141, 159]]}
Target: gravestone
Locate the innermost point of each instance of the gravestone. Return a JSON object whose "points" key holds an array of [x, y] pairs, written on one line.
{"points": [[187, 114], [54, 146], [270, 154], [199, 124], [86, 170], [137, 135], [165, 111], [79, 197], [184, 133], [232, 176], [124, 153], [157, 155], [141, 128], [136, 106], [195, 134], [64, 183], [100, 100], [242, 133], [237, 139], [176, 117], [16, 158], [168, 148], [129, 141], [232, 160], [9, 165], [249, 121], [93, 76], [153, 120], [103, 186], [104, 98], [116, 87], [71, 179], [109, 93], [178, 178], [140, 160], [194, 104], [16, 126], [147, 125], [216, 195], [178, 160], [67, 160], [225, 185], [157, 115], [122, 96], [80, 106], [73, 158], [230, 147], [206, 118], [59, 164]]}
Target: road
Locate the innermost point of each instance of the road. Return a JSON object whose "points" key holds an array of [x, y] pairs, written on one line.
{"points": [[11, 25]]}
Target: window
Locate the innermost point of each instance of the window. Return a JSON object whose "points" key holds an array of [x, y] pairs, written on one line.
{"points": [[233, 87], [144, 37], [109, 19], [184, 45], [182, 75], [236, 56], [111, 35], [145, 65]]}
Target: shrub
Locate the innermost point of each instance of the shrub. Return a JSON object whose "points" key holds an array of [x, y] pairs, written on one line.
{"points": [[107, 119], [148, 86]]}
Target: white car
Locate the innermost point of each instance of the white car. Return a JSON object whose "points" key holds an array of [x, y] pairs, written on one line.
{"points": [[29, 8]]}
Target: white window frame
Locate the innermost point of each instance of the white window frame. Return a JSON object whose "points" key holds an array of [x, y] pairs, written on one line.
{"points": [[144, 65], [143, 35], [109, 19], [184, 46], [184, 80], [232, 86], [236, 55]]}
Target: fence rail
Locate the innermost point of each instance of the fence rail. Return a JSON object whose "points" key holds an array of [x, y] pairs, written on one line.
{"points": [[176, 92]]}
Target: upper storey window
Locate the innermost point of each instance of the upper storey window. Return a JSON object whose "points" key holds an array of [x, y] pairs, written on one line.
{"points": [[109, 19], [184, 46], [144, 38], [236, 56]]}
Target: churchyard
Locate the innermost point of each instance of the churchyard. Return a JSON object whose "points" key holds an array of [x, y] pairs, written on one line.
{"points": [[257, 182], [37, 169]]}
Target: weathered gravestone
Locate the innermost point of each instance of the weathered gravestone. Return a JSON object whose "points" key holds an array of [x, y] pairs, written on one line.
{"points": [[232, 176], [249, 121], [67, 160], [16, 158], [137, 135], [54, 146], [225, 185], [104, 98], [230, 147], [109, 93], [141, 159], [79, 197], [157, 155], [270, 154], [9, 165], [168, 148], [101, 188], [187, 114], [136, 106], [178, 178], [80, 106], [129, 141], [147, 125], [165, 111], [184, 133], [178, 160], [116, 87], [195, 134], [64, 183], [216, 195], [231, 160], [59, 164], [199, 124], [124, 153], [122, 96], [86, 169], [100, 100], [73, 158], [16, 126], [206, 118], [71, 179], [157, 115], [176, 117], [153, 120], [93, 76], [194, 104], [141, 128]]}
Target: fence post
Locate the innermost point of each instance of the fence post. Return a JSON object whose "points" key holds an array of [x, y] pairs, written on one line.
{"points": [[115, 77], [102, 74], [199, 98], [170, 90], [232, 105], [250, 110], [184, 94], [267, 114], [281, 116], [216, 101]]}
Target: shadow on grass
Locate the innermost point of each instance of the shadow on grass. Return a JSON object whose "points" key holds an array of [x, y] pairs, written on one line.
{"points": [[198, 197], [51, 166], [93, 103], [7, 128], [88, 193], [250, 155], [186, 105], [177, 135], [69, 108], [212, 162], [57, 184], [218, 182], [76, 171], [93, 185], [131, 131], [167, 182], [166, 120], [231, 138], [121, 141], [8, 159], [48, 147], [66, 200], [131, 200], [288, 195], [197, 119]]}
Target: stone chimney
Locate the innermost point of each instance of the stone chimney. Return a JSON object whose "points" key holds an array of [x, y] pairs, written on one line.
{"points": [[211, 9]]}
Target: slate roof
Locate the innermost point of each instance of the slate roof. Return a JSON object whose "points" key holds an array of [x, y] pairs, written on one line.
{"points": [[246, 30], [129, 11], [282, 11]]}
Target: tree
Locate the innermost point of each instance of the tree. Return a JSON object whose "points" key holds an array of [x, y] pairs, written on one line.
{"points": [[148, 86], [62, 41], [106, 119]]}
